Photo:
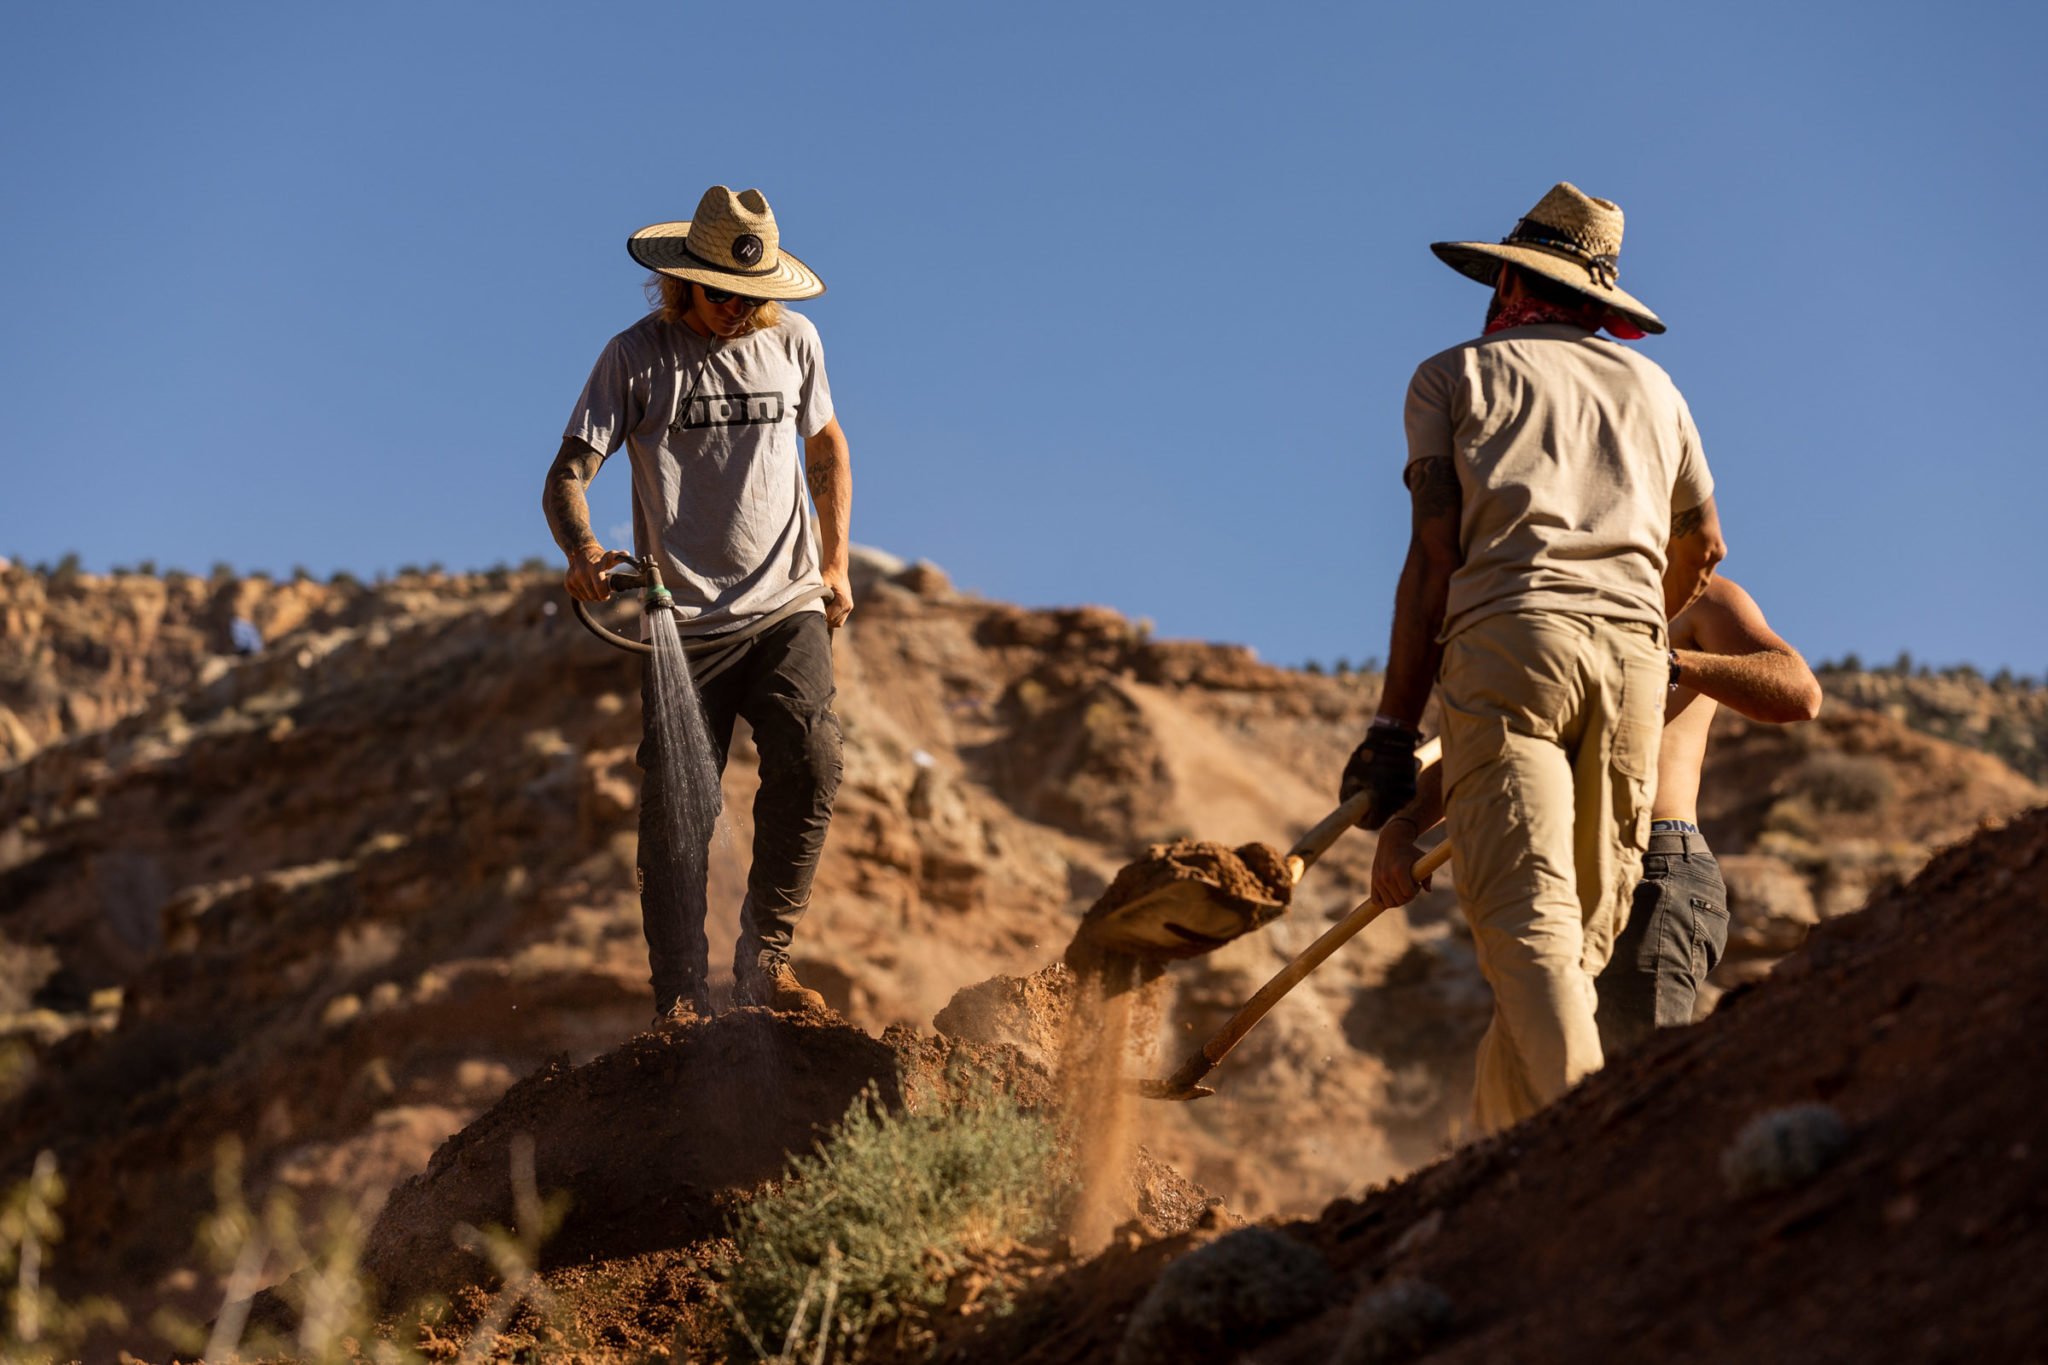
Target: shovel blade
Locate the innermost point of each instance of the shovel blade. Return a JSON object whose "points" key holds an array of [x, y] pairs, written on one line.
{"points": [[1188, 898], [1177, 920], [1167, 1090]]}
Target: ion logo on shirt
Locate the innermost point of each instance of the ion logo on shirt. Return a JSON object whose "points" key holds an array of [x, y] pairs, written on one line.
{"points": [[732, 410]]}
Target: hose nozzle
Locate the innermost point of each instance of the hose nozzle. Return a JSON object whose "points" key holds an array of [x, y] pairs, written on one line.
{"points": [[656, 598], [644, 577]]}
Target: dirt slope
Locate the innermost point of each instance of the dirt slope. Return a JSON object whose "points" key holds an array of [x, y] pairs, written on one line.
{"points": [[1603, 1228]]}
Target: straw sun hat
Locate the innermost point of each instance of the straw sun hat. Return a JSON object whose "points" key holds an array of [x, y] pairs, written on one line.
{"points": [[730, 244], [1569, 237]]}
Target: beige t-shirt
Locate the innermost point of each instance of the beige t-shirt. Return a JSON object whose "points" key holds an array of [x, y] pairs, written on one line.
{"points": [[1573, 453]]}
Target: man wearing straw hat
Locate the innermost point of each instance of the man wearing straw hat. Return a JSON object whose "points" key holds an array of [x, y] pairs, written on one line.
{"points": [[710, 393], [1561, 514]]}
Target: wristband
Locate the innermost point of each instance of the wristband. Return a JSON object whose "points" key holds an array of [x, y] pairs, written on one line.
{"points": [[1676, 671], [1384, 722]]}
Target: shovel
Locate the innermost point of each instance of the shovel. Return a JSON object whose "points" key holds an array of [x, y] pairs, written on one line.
{"points": [[1183, 900], [1185, 1084]]}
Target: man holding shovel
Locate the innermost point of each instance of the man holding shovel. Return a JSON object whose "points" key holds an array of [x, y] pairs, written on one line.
{"points": [[711, 393], [1727, 654], [1562, 513]]}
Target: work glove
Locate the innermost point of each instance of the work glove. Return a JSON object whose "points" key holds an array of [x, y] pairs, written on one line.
{"points": [[1383, 764]]}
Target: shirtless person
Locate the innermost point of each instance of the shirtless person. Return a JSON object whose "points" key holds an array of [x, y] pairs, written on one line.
{"points": [[1724, 653]]}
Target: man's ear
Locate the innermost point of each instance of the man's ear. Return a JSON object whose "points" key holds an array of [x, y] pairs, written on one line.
{"points": [[1500, 298]]}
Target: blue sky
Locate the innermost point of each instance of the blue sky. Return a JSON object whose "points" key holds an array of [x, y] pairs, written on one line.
{"points": [[1123, 298]]}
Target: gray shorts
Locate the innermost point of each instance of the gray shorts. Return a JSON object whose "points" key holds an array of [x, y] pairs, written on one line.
{"points": [[1677, 929]]}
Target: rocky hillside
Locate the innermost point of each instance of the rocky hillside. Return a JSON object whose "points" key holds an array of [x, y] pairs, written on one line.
{"points": [[336, 897], [2006, 717]]}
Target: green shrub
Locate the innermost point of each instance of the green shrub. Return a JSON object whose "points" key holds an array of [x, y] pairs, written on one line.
{"points": [[887, 1210]]}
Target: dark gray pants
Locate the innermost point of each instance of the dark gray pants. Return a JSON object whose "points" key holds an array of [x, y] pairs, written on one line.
{"points": [[1677, 928], [782, 684]]}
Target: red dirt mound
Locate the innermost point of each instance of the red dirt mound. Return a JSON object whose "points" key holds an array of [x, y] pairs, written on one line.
{"points": [[1604, 1227], [651, 1141], [657, 1141]]}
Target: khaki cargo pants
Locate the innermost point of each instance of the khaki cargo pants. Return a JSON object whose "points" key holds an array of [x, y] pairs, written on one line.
{"points": [[1551, 723]]}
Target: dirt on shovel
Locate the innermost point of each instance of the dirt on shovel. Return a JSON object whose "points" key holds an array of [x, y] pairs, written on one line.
{"points": [[1183, 899]]}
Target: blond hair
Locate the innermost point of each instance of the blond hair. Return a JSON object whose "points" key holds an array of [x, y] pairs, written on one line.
{"points": [[671, 298]]}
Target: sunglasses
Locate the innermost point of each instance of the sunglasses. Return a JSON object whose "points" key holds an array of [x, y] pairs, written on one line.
{"points": [[724, 296]]}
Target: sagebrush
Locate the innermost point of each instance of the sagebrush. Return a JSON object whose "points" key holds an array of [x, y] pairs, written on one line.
{"points": [[872, 1226]]}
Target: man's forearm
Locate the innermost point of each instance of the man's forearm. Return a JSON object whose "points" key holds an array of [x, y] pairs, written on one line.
{"points": [[1413, 654], [828, 469], [1769, 686], [562, 500]]}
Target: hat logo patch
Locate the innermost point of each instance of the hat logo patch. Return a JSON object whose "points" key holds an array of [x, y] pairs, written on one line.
{"points": [[746, 249]]}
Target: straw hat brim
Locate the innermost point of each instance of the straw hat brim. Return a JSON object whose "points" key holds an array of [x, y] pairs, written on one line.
{"points": [[660, 248], [1481, 261]]}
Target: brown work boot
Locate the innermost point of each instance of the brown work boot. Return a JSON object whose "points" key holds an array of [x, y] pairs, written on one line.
{"points": [[773, 984], [681, 1012]]}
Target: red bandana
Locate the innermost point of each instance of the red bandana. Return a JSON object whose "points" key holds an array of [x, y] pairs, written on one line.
{"points": [[1529, 311]]}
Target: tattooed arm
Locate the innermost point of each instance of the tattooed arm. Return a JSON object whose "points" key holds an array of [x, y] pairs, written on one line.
{"points": [[828, 470], [568, 514], [1694, 549], [1434, 554]]}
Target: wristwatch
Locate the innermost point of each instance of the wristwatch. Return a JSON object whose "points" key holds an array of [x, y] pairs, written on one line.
{"points": [[1676, 671]]}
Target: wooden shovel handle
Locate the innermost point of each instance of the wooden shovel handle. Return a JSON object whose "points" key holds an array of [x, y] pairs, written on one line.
{"points": [[1331, 827], [1290, 976]]}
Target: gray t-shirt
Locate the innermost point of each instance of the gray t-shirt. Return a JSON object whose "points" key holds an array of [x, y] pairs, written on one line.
{"points": [[719, 484]]}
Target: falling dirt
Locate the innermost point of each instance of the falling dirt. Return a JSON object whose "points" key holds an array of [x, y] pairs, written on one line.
{"points": [[1097, 1030], [1110, 1039]]}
